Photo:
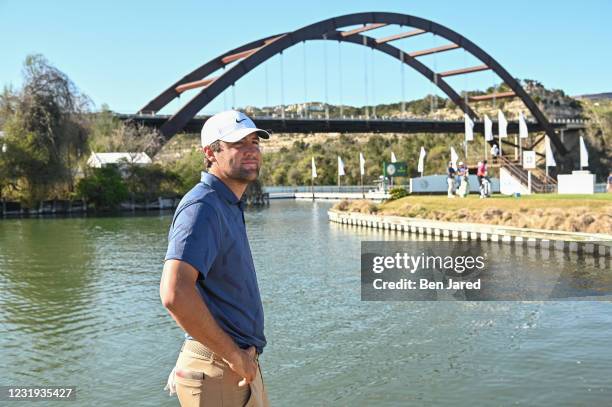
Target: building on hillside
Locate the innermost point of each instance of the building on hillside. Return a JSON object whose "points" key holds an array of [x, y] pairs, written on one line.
{"points": [[99, 160]]}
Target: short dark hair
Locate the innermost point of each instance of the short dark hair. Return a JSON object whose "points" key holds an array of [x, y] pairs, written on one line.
{"points": [[215, 146]]}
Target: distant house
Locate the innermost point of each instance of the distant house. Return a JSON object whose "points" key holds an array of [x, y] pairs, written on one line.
{"points": [[99, 160]]}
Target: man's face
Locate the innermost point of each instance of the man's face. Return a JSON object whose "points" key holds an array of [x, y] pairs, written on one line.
{"points": [[241, 160]]}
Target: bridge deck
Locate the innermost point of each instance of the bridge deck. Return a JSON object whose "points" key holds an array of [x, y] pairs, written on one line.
{"points": [[293, 125]]}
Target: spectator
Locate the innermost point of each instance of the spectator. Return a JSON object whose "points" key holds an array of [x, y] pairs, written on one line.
{"points": [[483, 181], [495, 152], [450, 171], [464, 187], [610, 182]]}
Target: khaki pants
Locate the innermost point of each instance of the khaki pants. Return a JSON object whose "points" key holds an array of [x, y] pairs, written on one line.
{"points": [[451, 187], [204, 380]]}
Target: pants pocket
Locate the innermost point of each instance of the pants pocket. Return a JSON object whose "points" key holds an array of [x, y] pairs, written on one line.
{"points": [[252, 400], [189, 387], [198, 382], [258, 396]]}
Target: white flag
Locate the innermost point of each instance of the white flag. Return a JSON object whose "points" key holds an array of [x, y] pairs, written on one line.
{"points": [[361, 164], [550, 158], [584, 154], [314, 169], [502, 124], [393, 157], [488, 126], [469, 128], [523, 133], [340, 167], [454, 158], [421, 166]]}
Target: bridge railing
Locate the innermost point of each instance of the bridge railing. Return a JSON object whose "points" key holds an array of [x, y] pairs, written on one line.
{"points": [[318, 188]]}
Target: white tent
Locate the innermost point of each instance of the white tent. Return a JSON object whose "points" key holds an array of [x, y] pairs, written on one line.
{"points": [[99, 160]]}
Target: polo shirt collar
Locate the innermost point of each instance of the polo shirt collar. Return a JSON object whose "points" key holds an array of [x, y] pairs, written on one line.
{"points": [[222, 189]]}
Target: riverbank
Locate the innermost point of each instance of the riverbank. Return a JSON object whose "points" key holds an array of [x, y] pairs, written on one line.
{"points": [[584, 243], [568, 213], [67, 207]]}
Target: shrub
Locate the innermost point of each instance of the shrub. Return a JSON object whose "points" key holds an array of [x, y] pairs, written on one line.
{"points": [[397, 193], [342, 205], [103, 187]]}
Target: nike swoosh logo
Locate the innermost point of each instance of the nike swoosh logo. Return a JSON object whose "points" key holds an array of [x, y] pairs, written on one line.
{"points": [[239, 121]]}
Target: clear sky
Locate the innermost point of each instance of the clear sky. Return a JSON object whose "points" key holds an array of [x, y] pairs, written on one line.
{"points": [[123, 53]]}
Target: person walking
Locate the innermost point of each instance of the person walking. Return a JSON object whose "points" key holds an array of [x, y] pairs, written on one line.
{"points": [[209, 285], [483, 182]]}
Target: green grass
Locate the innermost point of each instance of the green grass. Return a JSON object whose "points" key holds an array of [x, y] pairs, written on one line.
{"points": [[597, 202], [561, 197], [573, 213]]}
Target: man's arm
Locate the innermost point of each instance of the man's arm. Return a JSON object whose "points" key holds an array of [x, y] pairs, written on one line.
{"points": [[180, 297]]}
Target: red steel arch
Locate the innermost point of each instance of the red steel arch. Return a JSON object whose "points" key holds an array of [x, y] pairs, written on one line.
{"points": [[256, 52]]}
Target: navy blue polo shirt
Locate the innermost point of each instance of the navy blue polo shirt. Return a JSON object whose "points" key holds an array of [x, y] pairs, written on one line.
{"points": [[208, 232]]}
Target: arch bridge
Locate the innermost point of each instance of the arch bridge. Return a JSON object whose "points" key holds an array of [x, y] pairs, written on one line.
{"points": [[248, 56]]}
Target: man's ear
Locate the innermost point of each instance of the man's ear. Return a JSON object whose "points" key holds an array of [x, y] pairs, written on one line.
{"points": [[209, 154]]}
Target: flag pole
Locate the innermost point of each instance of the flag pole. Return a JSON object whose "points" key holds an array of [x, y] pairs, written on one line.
{"points": [[485, 148], [516, 146], [362, 190], [312, 186]]}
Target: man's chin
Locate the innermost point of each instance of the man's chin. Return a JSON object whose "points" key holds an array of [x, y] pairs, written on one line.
{"points": [[248, 175]]}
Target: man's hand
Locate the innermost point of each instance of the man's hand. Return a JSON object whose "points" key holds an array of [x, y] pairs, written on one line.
{"points": [[244, 364], [180, 296]]}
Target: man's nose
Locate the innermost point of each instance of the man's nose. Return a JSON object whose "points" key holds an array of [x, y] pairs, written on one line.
{"points": [[252, 149]]}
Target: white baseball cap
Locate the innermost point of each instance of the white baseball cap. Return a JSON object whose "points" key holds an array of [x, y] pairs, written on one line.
{"points": [[230, 126]]}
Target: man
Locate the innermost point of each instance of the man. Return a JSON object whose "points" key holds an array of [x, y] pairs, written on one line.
{"points": [[482, 173], [450, 179], [464, 184], [209, 285], [495, 152]]}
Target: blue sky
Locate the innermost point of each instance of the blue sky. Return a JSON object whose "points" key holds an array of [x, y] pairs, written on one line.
{"points": [[125, 53]]}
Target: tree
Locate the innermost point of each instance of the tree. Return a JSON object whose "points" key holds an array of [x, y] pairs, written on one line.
{"points": [[151, 181], [188, 170], [109, 134], [44, 131]]}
